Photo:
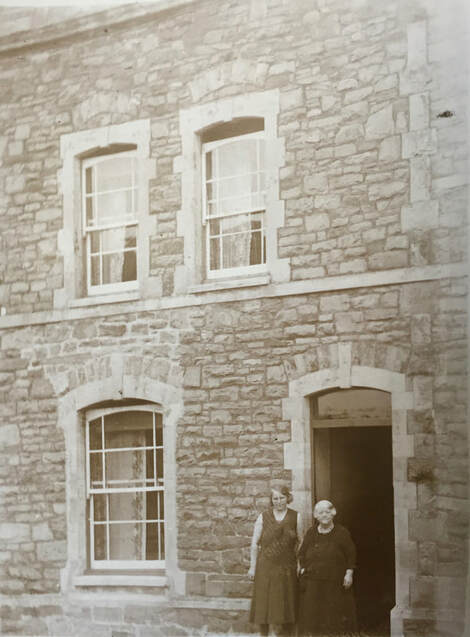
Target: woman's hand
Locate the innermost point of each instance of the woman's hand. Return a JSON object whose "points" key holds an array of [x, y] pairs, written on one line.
{"points": [[348, 579], [251, 572]]}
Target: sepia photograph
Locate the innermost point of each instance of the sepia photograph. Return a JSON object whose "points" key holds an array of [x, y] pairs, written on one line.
{"points": [[234, 336]]}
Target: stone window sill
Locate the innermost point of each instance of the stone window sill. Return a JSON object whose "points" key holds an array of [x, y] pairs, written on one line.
{"points": [[117, 297], [156, 581], [230, 284]]}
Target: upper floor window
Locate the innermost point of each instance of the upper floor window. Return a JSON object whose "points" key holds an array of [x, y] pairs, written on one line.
{"points": [[125, 488], [107, 225], [231, 210], [110, 222], [234, 193]]}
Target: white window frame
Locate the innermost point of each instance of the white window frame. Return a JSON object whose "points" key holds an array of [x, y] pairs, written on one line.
{"points": [[87, 230], [158, 486], [192, 275], [77, 148], [241, 270]]}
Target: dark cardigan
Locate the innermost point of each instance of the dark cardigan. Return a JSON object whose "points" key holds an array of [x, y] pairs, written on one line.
{"points": [[326, 556]]}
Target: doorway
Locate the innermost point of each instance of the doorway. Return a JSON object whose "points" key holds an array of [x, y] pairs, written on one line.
{"points": [[352, 467]]}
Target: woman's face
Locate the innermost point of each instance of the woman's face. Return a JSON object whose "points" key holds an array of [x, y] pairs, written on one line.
{"points": [[279, 501], [324, 515]]}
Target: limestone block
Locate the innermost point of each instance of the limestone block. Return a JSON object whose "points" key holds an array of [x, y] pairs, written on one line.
{"points": [[380, 124], [421, 329], [42, 532], [386, 189], [14, 532], [15, 148], [423, 391], [420, 215], [9, 436], [390, 148], [316, 183], [422, 142], [15, 184], [22, 131], [317, 221], [347, 84], [291, 99], [352, 266], [52, 551], [349, 133], [419, 111], [41, 388], [387, 260]]}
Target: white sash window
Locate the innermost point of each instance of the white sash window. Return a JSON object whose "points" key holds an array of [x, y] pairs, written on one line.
{"points": [[234, 193], [110, 214], [125, 488]]}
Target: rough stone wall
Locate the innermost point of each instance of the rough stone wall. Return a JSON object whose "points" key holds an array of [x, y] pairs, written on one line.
{"points": [[356, 150], [343, 117], [236, 360]]}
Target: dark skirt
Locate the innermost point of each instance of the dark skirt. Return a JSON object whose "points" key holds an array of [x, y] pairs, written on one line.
{"points": [[274, 594], [326, 608]]}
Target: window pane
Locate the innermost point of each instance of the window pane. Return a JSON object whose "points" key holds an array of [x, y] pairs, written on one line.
{"points": [[235, 177], [152, 542], [355, 403], [127, 429], [115, 206], [160, 465], [243, 241], [118, 238], [127, 506], [90, 211], [89, 180], [95, 270], [119, 267], [255, 248], [236, 250], [95, 434], [127, 542], [125, 469], [237, 157], [99, 507], [127, 525], [96, 470], [158, 430], [114, 173], [100, 541], [215, 254], [95, 242]]}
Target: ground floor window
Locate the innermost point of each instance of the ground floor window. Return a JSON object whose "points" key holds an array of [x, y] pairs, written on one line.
{"points": [[125, 488]]}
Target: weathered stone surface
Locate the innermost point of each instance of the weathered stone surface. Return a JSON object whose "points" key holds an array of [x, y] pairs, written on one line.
{"points": [[372, 179], [9, 436]]}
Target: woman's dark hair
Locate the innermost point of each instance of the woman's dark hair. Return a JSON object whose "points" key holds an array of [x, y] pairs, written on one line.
{"points": [[283, 490]]}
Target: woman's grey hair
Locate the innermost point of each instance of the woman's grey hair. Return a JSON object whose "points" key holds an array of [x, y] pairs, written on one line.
{"points": [[323, 504], [283, 490]]}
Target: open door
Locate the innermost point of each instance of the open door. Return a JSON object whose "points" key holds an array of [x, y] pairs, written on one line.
{"points": [[352, 467]]}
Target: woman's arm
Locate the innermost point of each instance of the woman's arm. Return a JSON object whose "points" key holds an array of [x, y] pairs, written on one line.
{"points": [[349, 549], [303, 549], [258, 529], [300, 530]]}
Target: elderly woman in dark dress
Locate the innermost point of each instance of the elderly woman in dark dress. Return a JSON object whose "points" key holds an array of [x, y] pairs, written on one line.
{"points": [[273, 566], [327, 559]]}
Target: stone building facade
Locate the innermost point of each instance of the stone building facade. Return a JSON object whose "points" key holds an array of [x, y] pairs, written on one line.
{"points": [[331, 345]]}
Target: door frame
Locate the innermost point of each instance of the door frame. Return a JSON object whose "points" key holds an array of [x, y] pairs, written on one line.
{"points": [[298, 456]]}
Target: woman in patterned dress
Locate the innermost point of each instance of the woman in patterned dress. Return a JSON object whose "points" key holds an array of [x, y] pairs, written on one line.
{"points": [[273, 566], [327, 560]]}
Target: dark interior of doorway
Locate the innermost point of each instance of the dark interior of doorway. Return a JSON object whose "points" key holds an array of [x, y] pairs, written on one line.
{"points": [[360, 484]]}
